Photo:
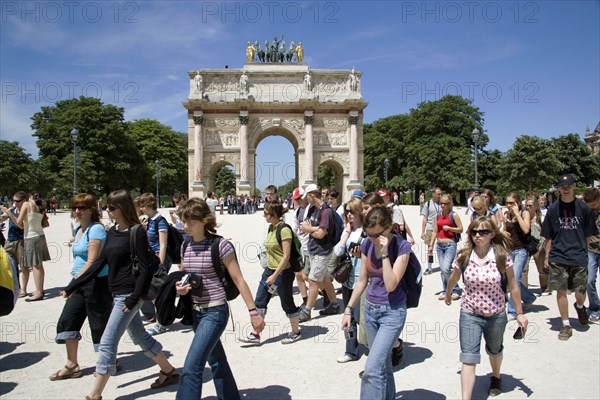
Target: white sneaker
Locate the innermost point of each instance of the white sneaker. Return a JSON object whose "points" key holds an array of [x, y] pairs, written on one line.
{"points": [[345, 358], [251, 338]]}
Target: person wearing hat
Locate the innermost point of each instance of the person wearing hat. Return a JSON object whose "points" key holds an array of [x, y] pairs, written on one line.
{"points": [[321, 230], [400, 227], [359, 194], [569, 227]]}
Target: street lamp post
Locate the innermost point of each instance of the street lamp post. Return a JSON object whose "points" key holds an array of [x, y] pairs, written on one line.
{"points": [[476, 136], [157, 163], [386, 164], [74, 139]]}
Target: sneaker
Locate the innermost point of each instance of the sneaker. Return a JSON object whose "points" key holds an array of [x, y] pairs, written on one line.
{"points": [[455, 296], [331, 309], [428, 271], [252, 338], [304, 315], [565, 333], [582, 314], [495, 386], [397, 353], [292, 337], [442, 296], [156, 330], [345, 358], [595, 317]]}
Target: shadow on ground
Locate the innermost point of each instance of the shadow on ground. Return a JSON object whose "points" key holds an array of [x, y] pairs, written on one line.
{"points": [[509, 384], [419, 394]]}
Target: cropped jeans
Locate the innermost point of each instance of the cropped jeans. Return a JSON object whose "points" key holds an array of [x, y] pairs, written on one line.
{"points": [[285, 283], [446, 253], [593, 265], [208, 325], [118, 322], [383, 324], [520, 259]]}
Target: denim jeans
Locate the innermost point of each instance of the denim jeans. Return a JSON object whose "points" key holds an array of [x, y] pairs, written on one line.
{"points": [[284, 282], [383, 324], [118, 322], [446, 253], [520, 258], [593, 266], [472, 327], [352, 344], [206, 346]]}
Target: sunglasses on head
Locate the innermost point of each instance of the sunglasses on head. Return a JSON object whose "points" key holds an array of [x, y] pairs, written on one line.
{"points": [[80, 208], [481, 232]]}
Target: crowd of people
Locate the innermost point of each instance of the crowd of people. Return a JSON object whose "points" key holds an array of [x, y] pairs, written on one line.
{"points": [[113, 268]]}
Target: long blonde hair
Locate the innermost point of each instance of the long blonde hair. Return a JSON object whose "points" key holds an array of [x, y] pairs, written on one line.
{"points": [[500, 243]]}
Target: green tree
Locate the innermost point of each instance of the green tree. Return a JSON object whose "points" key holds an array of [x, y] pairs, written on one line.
{"points": [[225, 181], [439, 144], [490, 164], [576, 158], [103, 139], [156, 141], [288, 187], [15, 169], [326, 176], [531, 164]]}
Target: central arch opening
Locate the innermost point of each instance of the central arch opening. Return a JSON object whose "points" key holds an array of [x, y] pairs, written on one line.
{"points": [[276, 162]]}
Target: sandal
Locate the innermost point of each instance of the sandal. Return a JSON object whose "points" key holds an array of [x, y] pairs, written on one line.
{"points": [[72, 372], [165, 378], [23, 294]]}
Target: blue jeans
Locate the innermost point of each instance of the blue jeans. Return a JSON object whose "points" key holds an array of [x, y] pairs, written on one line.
{"points": [[206, 346], [383, 324], [472, 327], [446, 253], [520, 259], [115, 328], [593, 266], [284, 282]]}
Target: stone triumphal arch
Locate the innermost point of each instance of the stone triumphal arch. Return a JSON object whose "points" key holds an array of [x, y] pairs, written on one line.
{"points": [[230, 111]]}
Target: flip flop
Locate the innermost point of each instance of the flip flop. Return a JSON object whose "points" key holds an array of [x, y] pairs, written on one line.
{"points": [[31, 298], [72, 372], [23, 294], [165, 378]]}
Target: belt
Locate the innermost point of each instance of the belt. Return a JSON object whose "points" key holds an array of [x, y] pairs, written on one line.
{"points": [[202, 306]]}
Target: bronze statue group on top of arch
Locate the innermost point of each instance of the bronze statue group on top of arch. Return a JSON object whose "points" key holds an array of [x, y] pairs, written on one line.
{"points": [[275, 51]]}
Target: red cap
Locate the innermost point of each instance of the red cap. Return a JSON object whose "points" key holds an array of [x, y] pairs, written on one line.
{"points": [[298, 192], [383, 193]]}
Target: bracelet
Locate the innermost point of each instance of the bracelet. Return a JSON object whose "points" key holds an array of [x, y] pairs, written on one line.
{"points": [[351, 308], [252, 309], [254, 313], [348, 314], [520, 314]]}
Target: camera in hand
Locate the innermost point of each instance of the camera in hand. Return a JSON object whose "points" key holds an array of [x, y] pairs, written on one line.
{"points": [[518, 334], [195, 281], [184, 280], [348, 333]]}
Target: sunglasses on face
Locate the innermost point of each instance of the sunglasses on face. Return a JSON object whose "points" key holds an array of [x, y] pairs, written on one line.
{"points": [[18, 201], [481, 232], [80, 208], [112, 208], [376, 235]]}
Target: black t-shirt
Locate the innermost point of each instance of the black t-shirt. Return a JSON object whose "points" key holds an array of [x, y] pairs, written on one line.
{"points": [[568, 225], [116, 253]]}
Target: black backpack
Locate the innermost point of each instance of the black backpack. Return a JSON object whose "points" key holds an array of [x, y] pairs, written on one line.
{"points": [[231, 291], [159, 273], [174, 240], [296, 261], [412, 281]]}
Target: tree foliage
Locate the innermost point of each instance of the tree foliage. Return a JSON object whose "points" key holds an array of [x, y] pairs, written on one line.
{"points": [[289, 187], [225, 181], [326, 176], [576, 158], [15, 169]]}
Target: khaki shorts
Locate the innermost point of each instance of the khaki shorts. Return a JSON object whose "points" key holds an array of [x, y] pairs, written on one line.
{"points": [[571, 277], [16, 250], [428, 237], [318, 267]]}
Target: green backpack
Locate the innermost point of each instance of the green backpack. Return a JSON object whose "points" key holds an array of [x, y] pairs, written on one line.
{"points": [[296, 261]]}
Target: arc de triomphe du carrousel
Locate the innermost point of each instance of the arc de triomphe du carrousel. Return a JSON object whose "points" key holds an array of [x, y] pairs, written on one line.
{"points": [[230, 110]]}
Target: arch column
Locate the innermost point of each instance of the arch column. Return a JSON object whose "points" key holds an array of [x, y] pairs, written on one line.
{"points": [[244, 185], [353, 156], [308, 147], [198, 148]]}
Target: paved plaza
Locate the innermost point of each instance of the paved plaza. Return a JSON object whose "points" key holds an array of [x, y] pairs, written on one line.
{"points": [[538, 367]]}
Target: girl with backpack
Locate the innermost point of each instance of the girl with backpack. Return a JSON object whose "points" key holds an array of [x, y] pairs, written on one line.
{"points": [[517, 228], [127, 291], [278, 276], [209, 305], [446, 231], [383, 263], [93, 300], [485, 265], [532, 204]]}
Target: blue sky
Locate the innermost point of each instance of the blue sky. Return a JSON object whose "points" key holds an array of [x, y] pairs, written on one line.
{"points": [[532, 67]]}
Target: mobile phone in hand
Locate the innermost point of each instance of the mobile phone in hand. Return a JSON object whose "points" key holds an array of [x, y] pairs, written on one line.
{"points": [[518, 334]]}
